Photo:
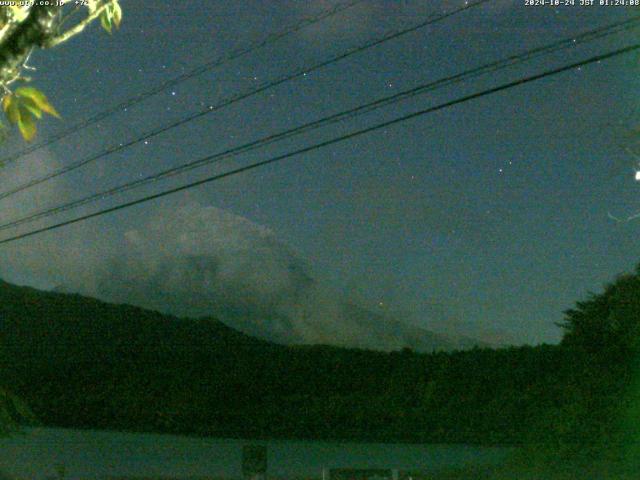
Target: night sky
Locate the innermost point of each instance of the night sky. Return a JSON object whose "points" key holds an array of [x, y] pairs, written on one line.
{"points": [[488, 218]]}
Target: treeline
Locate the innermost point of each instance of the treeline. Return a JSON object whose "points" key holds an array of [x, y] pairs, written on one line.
{"points": [[81, 363]]}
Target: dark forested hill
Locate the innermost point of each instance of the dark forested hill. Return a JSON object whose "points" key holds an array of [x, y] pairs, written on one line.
{"points": [[79, 362]]}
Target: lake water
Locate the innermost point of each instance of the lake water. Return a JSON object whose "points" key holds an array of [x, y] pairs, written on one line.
{"points": [[96, 454]]}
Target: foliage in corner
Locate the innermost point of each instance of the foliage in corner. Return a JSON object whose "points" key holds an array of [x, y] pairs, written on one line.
{"points": [[24, 107], [30, 26], [111, 16], [609, 320]]}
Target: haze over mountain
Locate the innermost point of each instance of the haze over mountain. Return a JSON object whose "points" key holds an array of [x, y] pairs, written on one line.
{"points": [[202, 261]]}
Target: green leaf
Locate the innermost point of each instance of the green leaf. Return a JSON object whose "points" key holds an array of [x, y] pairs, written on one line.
{"points": [[31, 107], [27, 126], [37, 98], [10, 107], [105, 20], [111, 15], [24, 107], [117, 14]]}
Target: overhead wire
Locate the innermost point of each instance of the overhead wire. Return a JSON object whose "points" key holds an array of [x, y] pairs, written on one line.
{"points": [[340, 116], [194, 72], [207, 66], [332, 141], [511, 60]]}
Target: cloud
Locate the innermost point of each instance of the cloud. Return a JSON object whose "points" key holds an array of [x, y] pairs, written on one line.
{"points": [[202, 261], [192, 260], [39, 259], [197, 260], [52, 258]]}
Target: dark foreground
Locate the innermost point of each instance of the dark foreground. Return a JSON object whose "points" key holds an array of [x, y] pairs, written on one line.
{"points": [[80, 363]]}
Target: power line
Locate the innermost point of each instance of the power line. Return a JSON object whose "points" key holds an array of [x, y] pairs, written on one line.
{"points": [[491, 67], [332, 141], [232, 99], [340, 116], [200, 69]]}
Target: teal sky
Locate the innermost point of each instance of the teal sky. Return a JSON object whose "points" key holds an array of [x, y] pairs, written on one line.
{"points": [[488, 218]]}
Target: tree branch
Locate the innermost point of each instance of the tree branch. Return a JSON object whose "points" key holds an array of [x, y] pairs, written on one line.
{"points": [[32, 32], [78, 28], [11, 20]]}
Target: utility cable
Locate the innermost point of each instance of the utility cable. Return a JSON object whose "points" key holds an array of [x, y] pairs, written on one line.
{"points": [[317, 146]]}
